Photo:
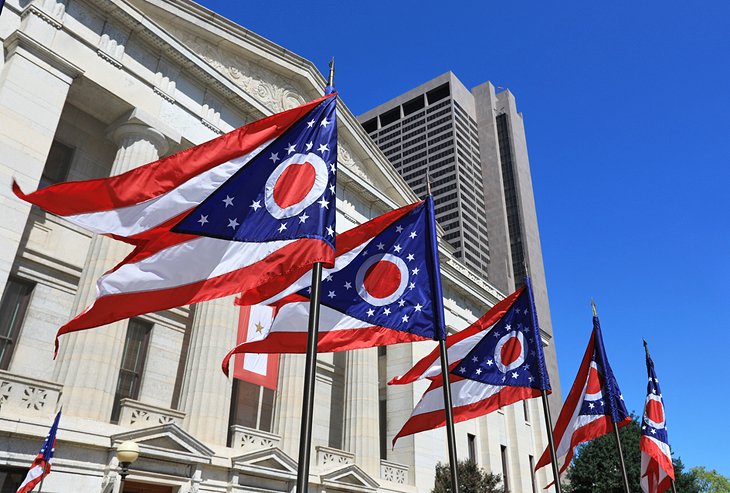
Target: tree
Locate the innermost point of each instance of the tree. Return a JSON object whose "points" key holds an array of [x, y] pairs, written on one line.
{"points": [[472, 479], [711, 481], [596, 468]]}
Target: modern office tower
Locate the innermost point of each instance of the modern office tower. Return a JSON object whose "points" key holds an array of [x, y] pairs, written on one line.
{"points": [[473, 145], [433, 130]]}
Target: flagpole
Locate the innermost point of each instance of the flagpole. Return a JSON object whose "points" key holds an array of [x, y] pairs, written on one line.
{"points": [[310, 366], [40, 486], [674, 487], [443, 353], [546, 407], [615, 431], [621, 458], [551, 442]]}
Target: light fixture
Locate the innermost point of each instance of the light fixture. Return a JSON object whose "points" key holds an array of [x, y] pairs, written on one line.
{"points": [[127, 452]]}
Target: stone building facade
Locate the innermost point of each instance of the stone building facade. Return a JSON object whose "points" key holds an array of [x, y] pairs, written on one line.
{"points": [[92, 88]]}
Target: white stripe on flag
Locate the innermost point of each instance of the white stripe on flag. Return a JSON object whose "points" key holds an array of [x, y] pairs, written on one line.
{"points": [[259, 325], [185, 263], [33, 473], [294, 317], [464, 393], [134, 219], [305, 281], [456, 352]]}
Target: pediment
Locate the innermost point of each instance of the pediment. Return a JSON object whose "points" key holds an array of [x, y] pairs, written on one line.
{"points": [[277, 80], [349, 478], [168, 442], [270, 462]]}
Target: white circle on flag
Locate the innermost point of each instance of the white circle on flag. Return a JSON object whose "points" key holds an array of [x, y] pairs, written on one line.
{"points": [[387, 291], [654, 412], [515, 362], [275, 188]]}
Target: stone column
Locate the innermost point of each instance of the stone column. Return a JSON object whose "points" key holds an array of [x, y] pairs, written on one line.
{"points": [[88, 361], [206, 392], [289, 402], [34, 84], [361, 436]]}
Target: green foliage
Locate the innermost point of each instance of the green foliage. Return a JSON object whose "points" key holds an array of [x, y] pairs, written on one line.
{"points": [[472, 479], [711, 481], [596, 467]]}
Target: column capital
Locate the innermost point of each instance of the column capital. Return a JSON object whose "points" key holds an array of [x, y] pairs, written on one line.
{"points": [[140, 125]]}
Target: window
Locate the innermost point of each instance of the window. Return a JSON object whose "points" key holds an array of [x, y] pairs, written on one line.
{"points": [[133, 360], [532, 474], [471, 441], [12, 313], [526, 409], [505, 469], [57, 165], [11, 478], [252, 406]]}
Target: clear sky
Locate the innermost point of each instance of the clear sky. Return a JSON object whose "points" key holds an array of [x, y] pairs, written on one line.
{"points": [[627, 114]]}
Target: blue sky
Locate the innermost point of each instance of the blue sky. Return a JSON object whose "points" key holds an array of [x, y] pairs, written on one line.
{"points": [[627, 110]]}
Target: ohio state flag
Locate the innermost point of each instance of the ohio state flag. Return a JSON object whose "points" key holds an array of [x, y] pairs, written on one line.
{"points": [[254, 324]]}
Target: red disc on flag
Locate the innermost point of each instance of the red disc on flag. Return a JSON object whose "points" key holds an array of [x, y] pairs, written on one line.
{"points": [[654, 411], [594, 383], [511, 350], [509, 353], [295, 184], [382, 279]]}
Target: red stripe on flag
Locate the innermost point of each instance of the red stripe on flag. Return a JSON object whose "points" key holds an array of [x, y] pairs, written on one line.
{"points": [[436, 419], [334, 340], [650, 448], [260, 281]]}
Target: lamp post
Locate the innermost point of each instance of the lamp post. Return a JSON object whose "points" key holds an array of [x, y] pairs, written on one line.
{"points": [[127, 452]]}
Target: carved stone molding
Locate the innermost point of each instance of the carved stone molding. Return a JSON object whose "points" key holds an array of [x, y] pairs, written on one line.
{"points": [[328, 457], [393, 472], [247, 439], [28, 396], [272, 90], [135, 414]]}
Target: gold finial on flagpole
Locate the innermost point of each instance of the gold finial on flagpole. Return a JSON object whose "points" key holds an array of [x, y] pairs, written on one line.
{"points": [[331, 78], [593, 307]]}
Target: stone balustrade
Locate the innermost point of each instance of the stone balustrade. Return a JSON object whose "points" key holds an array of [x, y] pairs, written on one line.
{"points": [[247, 439], [28, 396], [135, 414], [328, 457], [393, 472]]}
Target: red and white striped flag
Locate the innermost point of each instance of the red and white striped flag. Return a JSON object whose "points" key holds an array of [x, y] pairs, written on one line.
{"points": [[249, 211]]}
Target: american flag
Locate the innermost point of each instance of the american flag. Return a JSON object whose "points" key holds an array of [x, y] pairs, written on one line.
{"points": [[248, 212], [495, 362], [657, 470], [380, 291], [41, 465], [593, 405]]}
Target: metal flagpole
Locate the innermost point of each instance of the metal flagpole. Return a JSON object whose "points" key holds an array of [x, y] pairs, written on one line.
{"points": [[40, 486], [621, 457], [448, 408], [615, 431], [551, 442], [310, 368], [450, 434], [548, 419], [674, 487]]}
